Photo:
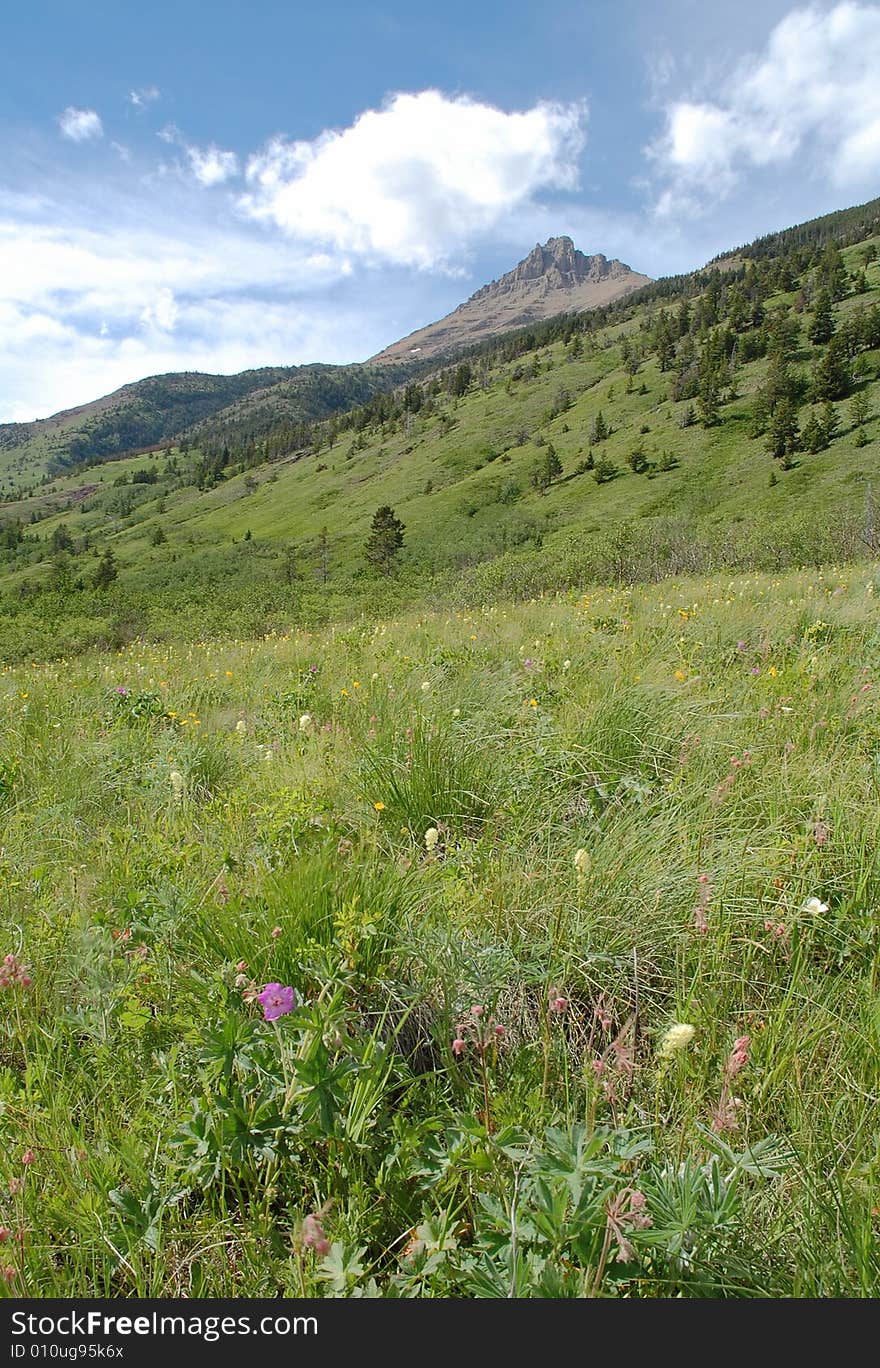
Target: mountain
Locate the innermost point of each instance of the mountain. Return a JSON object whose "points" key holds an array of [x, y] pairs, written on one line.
{"points": [[153, 412], [160, 409], [553, 279], [724, 419]]}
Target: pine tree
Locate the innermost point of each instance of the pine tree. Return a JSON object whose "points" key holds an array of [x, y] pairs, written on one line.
{"points": [[822, 327], [385, 540], [830, 422], [831, 373], [106, 571], [782, 434], [600, 429]]}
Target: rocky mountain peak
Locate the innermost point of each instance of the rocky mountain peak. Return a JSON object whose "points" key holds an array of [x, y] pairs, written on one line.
{"points": [[554, 278]]}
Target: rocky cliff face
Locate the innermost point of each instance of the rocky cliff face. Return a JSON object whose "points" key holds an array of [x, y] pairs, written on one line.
{"points": [[552, 279]]}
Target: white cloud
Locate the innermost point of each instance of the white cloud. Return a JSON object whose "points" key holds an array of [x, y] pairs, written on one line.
{"points": [[80, 125], [211, 165], [145, 96], [813, 94], [411, 183], [161, 312]]}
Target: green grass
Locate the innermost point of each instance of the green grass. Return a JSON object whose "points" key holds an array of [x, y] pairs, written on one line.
{"points": [[266, 801]]}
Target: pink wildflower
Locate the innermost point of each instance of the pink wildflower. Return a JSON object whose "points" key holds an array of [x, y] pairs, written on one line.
{"points": [[5, 1233], [28, 1157], [276, 1000], [312, 1236], [458, 1046]]}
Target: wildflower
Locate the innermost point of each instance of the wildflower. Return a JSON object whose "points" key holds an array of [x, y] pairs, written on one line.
{"points": [[558, 1003], [677, 1038], [276, 932], [28, 1157], [312, 1236], [426, 685], [178, 783], [15, 1186], [432, 836], [739, 1056], [533, 702], [8, 1274], [680, 676], [305, 721], [13, 973], [499, 1031], [566, 664], [241, 967], [582, 861], [458, 1046], [5, 1233], [380, 806], [477, 1011], [241, 726], [815, 907], [456, 712], [626, 1212], [276, 1000], [528, 663], [603, 1017]]}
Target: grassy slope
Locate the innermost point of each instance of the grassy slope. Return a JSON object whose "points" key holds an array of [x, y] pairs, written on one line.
{"points": [[481, 502], [724, 728]]}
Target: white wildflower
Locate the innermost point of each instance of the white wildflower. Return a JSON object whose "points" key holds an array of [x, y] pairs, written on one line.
{"points": [[815, 907], [582, 861], [678, 1037], [432, 836]]}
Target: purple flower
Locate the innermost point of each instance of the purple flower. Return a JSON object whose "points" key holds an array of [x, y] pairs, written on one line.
{"points": [[121, 689], [276, 1001]]}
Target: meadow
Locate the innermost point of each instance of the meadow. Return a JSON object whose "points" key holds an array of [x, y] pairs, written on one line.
{"points": [[529, 951]]}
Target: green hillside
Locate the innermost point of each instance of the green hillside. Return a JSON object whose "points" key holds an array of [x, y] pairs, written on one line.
{"points": [[728, 418], [152, 411]]}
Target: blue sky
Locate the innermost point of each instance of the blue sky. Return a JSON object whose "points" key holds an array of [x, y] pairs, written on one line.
{"points": [[189, 186]]}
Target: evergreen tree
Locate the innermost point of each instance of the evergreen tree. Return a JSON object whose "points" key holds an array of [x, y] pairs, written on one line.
{"points": [[813, 435], [831, 372], [106, 571], [832, 272], [782, 434], [600, 429], [385, 540], [830, 422], [822, 327], [859, 409]]}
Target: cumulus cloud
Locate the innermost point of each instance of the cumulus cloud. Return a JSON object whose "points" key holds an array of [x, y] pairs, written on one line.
{"points": [[812, 94], [211, 165], [411, 183], [80, 125]]}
